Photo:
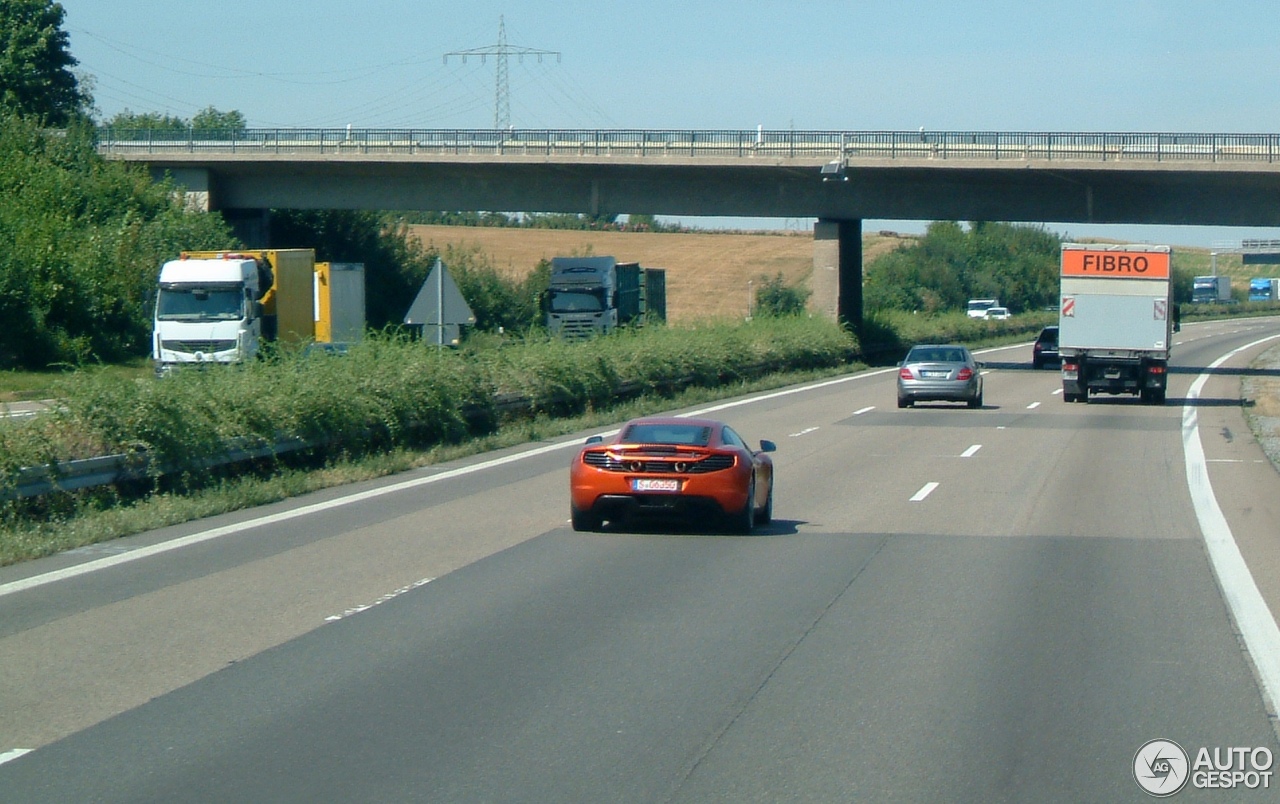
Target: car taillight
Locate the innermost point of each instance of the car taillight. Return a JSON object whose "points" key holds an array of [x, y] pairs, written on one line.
{"points": [[964, 373], [904, 373], [1039, 347]]}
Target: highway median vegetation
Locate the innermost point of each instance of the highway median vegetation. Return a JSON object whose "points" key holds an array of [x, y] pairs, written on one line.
{"points": [[385, 394]]}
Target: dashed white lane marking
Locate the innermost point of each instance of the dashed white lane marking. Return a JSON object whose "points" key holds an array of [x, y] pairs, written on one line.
{"points": [[925, 491], [379, 601], [1033, 406], [867, 409], [971, 451], [1056, 392], [805, 431], [14, 754], [1257, 626]]}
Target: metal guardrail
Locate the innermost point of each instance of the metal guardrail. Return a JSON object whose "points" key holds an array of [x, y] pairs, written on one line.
{"points": [[35, 481], [744, 144]]}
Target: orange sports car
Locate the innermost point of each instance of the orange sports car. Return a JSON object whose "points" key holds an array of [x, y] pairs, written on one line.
{"points": [[672, 467]]}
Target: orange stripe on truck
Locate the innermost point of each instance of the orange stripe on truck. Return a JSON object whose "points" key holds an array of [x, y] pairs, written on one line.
{"points": [[1128, 264]]}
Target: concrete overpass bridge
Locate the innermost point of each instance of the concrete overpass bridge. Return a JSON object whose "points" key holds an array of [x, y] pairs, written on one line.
{"points": [[840, 178]]}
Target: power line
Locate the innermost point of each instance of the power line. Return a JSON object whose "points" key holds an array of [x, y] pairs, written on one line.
{"points": [[502, 51]]}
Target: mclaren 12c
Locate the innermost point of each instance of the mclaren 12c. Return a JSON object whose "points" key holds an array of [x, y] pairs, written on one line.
{"points": [[672, 468]]}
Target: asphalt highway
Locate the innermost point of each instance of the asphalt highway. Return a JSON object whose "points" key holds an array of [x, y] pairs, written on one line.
{"points": [[951, 605]]}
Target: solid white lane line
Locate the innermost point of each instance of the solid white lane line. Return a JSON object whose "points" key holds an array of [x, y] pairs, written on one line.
{"points": [[805, 431], [14, 754], [284, 516], [971, 451], [925, 491], [867, 409], [1257, 626], [1033, 406]]}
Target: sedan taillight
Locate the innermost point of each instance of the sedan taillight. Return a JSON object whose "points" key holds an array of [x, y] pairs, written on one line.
{"points": [[904, 373], [964, 373]]}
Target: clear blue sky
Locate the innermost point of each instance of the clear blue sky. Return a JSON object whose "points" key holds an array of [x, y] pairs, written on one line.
{"points": [[1123, 65]]}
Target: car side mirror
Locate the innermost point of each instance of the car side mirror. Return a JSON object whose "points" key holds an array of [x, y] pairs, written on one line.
{"points": [[768, 446], [595, 439]]}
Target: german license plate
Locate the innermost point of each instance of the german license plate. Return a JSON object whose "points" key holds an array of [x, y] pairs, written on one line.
{"points": [[933, 373], [654, 484]]}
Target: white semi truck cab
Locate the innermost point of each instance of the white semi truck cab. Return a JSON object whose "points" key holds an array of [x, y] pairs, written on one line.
{"points": [[209, 311], [219, 307]]}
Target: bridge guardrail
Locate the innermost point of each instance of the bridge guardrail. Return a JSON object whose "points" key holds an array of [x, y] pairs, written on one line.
{"points": [[745, 144]]}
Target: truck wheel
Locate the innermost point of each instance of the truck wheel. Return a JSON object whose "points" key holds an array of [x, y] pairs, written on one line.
{"points": [[1068, 398]]}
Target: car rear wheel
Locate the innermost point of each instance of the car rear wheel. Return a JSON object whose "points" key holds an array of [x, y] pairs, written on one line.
{"points": [[904, 402], [976, 402], [741, 523], [584, 520], [765, 515]]}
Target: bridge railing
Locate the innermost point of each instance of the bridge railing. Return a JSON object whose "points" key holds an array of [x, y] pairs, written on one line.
{"points": [[744, 144]]}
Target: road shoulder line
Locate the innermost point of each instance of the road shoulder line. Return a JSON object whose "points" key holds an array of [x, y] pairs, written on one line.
{"points": [[1257, 626]]}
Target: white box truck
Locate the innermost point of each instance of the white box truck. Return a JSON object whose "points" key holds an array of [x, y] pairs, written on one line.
{"points": [[1116, 321]]}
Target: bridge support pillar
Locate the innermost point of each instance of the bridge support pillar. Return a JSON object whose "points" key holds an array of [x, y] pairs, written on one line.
{"points": [[195, 183], [837, 271], [252, 226]]}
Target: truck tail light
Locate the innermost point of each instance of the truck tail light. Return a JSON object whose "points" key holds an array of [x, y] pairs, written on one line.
{"points": [[1070, 371], [1155, 369], [904, 373]]}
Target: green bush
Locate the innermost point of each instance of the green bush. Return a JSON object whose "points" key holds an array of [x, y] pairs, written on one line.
{"points": [[950, 265], [775, 297], [84, 239]]}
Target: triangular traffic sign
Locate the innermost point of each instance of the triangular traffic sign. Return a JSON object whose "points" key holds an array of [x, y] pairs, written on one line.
{"points": [[426, 308]]}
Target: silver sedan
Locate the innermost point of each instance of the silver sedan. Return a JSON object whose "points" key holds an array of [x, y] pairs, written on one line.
{"points": [[939, 372]]}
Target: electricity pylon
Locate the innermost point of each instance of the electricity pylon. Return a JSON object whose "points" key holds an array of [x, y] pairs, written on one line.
{"points": [[502, 91]]}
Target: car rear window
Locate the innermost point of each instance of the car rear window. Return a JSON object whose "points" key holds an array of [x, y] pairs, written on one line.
{"points": [[691, 434], [935, 356]]}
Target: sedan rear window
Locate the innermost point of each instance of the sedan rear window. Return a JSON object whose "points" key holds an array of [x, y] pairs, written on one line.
{"points": [[936, 356], [691, 434]]}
